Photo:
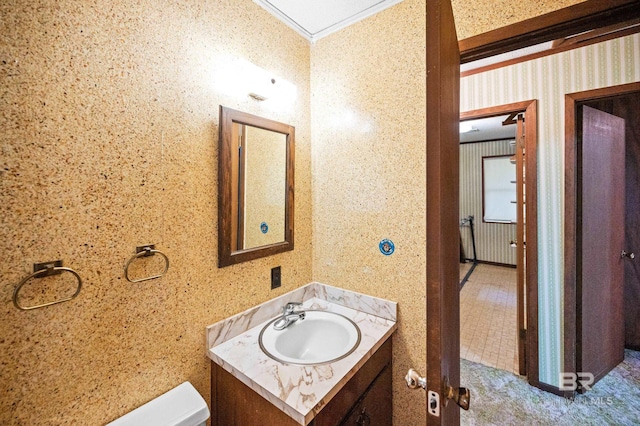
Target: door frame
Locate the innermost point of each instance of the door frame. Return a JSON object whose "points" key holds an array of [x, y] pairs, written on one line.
{"points": [[571, 20], [530, 109], [572, 102]]}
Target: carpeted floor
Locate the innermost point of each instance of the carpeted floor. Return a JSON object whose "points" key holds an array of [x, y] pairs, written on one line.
{"points": [[502, 398]]}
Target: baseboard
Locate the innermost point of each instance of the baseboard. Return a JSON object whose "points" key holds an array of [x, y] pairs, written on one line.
{"points": [[553, 389], [486, 262]]}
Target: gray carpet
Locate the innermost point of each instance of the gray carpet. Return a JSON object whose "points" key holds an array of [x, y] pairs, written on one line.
{"points": [[502, 398]]}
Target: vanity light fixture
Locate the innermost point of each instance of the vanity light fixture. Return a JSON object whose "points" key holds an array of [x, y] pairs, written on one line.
{"points": [[261, 89], [264, 86], [239, 78], [257, 97]]}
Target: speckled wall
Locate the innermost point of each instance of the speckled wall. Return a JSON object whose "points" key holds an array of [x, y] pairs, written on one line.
{"points": [[479, 16], [109, 116], [109, 119], [368, 112]]}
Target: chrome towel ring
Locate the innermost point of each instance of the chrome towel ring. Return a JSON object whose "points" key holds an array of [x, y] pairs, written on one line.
{"points": [[145, 251], [41, 270]]}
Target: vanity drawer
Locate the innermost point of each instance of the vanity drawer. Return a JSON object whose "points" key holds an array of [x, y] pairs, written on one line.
{"points": [[341, 406], [375, 406]]}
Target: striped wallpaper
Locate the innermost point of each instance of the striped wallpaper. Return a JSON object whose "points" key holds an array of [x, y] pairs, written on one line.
{"points": [[492, 239], [548, 79]]}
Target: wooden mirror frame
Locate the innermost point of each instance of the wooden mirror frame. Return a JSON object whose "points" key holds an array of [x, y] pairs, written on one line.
{"points": [[227, 256]]}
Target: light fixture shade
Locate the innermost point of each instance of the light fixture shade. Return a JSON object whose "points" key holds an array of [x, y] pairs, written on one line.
{"points": [[260, 85], [240, 78]]}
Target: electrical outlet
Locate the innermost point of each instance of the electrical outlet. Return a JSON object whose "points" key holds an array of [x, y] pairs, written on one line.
{"points": [[276, 277]]}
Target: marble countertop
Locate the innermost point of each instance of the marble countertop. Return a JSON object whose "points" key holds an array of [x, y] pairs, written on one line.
{"points": [[300, 391]]}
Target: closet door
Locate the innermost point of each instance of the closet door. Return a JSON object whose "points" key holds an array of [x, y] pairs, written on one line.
{"points": [[601, 241]]}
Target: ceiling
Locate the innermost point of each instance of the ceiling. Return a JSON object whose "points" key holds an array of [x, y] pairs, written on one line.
{"points": [[314, 19], [488, 129]]}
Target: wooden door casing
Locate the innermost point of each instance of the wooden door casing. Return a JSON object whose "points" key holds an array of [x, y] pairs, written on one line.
{"points": [[521, 245], [530, 109]]}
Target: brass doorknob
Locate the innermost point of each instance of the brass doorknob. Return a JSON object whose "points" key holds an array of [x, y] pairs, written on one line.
{"points": [[461, 396]]}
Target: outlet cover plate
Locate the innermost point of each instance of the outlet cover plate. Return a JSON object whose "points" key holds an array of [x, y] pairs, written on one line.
{"points": [[276, 277]]}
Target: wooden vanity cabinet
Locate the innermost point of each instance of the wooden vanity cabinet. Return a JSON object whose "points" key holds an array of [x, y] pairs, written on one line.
{"points": [[374, 408], [366, 399], [368, 388]]}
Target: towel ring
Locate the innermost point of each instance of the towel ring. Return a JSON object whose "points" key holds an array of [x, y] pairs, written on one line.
{"points": [[41, 270], [145, 251]]}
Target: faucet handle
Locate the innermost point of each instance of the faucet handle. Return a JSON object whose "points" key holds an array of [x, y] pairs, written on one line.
{"points": [[289, 307]]}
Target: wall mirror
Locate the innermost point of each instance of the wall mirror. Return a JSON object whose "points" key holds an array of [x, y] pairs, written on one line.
{"points": [[255, 187]]}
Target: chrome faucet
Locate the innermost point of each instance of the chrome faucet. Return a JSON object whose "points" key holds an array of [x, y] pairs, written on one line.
{"points": [[289, 316]]}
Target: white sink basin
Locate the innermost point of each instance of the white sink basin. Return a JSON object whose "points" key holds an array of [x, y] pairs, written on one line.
{"points": [[319, 338]]}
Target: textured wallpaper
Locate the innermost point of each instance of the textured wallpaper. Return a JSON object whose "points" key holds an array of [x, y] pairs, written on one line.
{"points": [[548, 79], [109, 118]]}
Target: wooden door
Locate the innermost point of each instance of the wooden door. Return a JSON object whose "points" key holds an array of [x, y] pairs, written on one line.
{"points": [[522, 244], [442, 250], [626, 106], [600, 327]]}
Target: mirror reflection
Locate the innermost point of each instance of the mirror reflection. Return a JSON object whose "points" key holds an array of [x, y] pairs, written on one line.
{"points": [[259, 196], [255, 187]]}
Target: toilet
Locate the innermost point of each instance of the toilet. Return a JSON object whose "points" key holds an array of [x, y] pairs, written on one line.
{"points": [[181, 406]]}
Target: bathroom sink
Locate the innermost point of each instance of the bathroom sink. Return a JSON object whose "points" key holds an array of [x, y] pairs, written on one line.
{"points": [[321, 337]]}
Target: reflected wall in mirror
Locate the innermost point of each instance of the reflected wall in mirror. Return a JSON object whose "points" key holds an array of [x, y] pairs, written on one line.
{"points": [[255, 187]]}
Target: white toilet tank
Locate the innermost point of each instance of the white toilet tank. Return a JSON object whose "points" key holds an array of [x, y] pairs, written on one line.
{"points": [[181, 406]]}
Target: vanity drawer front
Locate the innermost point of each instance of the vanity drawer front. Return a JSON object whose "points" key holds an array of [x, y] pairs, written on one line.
{"points": [[375, 407], [341, 405]]}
